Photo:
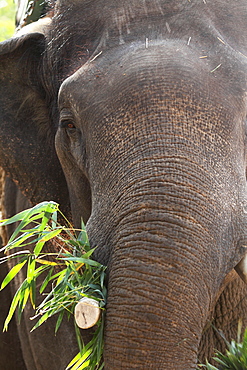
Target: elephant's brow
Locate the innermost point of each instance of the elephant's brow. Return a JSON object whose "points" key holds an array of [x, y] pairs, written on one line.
{"points": [[64, 95]]}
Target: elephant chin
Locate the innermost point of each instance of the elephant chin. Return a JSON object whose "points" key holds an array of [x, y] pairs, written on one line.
{"points": [[241, 268]]}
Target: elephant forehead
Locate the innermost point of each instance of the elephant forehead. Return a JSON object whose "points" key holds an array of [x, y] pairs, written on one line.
{"points": [[169, 65], [119, 20], [115, 65], [128, 9]]}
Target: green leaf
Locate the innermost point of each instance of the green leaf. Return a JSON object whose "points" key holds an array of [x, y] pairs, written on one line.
{"points": [[59, 321], [84, 365], [82, 260], [45, 219], [88, 253], [14, 243], [12, 273], [31, 270], [20, 216], [78, 337], [14, 255], [23, 300], [43, 318], [54, 220], [235, 357], [245, 342], [82, 236], [14, 303], [211, 367], [46, 262], [73, 361], [82, 361], [26, 216], [33, 292], [45, 237]]}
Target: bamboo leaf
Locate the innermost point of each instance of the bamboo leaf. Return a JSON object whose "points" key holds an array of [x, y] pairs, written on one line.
{"points": [[14, 243], [43, 318], [45, 219], [84, 365], [12, 273], [211, 367], [82, 236], [23, 300], [82, 260], [14, 255], [26, 216], [46, 262], [59, 321], [33, 293], [245, 343], [82, 361], [89, 253], [31, 270], [78, 337], [54, 220], [14, 304], [20, 216], [45, 237], [73, 361]]}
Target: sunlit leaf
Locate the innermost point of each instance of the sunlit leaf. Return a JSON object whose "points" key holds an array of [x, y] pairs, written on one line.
{"points": [[10, 256], [14, 303], [43, 318], [33, 293], [31, 270], [46, 262], [82, 361], [12, 273], [26, 216], [20, 216], [14, 243], [25, 292], [46, 236], [73, 361], [82, 260]]}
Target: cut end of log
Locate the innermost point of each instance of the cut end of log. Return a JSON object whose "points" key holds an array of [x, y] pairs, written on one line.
{"points": [[87, 313], [241, 268]]}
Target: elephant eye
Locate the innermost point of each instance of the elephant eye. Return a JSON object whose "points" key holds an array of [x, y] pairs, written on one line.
{"points": [[67, 124]]}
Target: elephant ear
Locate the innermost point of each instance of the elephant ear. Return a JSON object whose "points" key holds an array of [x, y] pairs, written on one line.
{"points": [[27, 149]]}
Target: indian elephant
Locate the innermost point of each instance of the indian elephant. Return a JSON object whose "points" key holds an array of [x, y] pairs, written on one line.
{"points": [[132, 115]]}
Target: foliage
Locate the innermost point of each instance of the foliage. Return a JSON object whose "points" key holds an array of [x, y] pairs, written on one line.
{"points": [[70, 272], [235, 357], [7, 19]]}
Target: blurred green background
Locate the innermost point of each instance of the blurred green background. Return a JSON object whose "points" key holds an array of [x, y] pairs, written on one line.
{"points": [[7, 19]]}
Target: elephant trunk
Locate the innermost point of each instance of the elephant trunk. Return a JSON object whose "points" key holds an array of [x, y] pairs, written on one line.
{"points": [[152, 319], [164, 270]]}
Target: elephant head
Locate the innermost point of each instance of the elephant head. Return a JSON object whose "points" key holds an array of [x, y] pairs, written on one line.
{"points": [[147, 103]]}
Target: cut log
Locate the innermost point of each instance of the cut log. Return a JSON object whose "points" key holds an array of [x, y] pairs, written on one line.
{"points": [[87, 313], [241, 268]]}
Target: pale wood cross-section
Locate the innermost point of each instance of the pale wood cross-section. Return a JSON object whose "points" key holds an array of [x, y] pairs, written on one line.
{"points": [[87, 313]]}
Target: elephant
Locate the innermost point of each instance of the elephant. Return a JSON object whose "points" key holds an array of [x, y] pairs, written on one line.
{"points": [[132, 116]]}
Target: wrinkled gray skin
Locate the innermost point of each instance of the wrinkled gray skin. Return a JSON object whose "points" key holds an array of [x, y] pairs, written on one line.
{"points": [[150, 131]]}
